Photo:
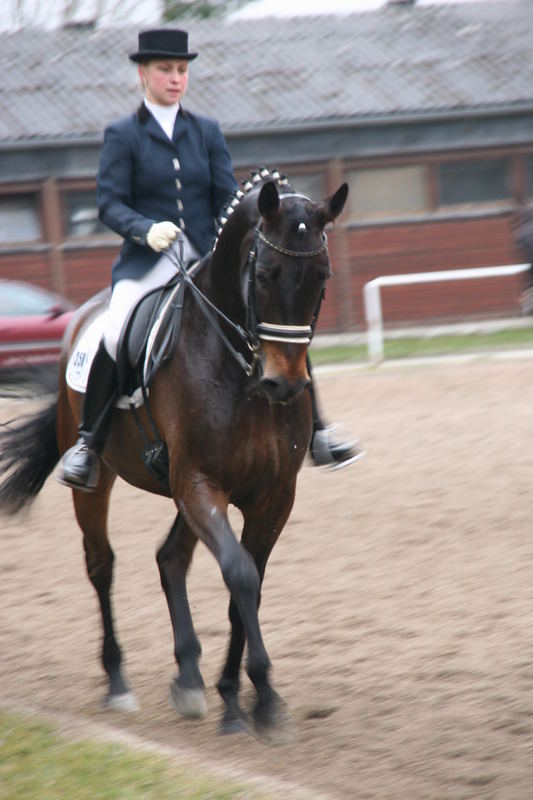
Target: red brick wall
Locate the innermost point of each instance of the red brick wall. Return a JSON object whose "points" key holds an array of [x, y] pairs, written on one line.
{"points": [[358, 254], [27, 267], [87, 271], [376, 250]]}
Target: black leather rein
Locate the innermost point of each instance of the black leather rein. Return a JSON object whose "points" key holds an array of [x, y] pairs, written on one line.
{"points": [[206, 306]]}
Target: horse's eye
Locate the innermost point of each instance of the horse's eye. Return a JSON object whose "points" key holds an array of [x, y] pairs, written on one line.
{"points": [[323, 273], [266, 275]]}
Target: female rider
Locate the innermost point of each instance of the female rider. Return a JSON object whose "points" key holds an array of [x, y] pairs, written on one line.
{"points": [[163, 171]]}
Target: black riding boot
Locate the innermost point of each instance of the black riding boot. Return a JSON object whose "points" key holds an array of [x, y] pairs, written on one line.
{"points": [[325, 449], [81, 464]]}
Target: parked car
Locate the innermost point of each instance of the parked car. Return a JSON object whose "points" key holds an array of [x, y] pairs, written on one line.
{"points": [[32, 324]]}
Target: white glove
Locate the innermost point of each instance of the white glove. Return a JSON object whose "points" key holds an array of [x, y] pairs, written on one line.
{"points": [[161, 234]]}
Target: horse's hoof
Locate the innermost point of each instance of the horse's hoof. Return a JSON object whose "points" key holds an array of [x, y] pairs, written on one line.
{"points": [[275, 734], [190, 703], [273, 722], [125, 701], [234, 724]]}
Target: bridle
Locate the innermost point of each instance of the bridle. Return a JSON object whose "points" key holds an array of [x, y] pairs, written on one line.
{"points": [[274, 332], [255, 331]]}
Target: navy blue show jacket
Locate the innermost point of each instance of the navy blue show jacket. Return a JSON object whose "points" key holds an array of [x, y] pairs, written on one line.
{"points": [[144, 178]]}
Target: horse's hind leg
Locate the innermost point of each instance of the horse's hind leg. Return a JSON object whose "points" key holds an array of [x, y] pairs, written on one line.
{"points": [[173, 559], [91, 512]]}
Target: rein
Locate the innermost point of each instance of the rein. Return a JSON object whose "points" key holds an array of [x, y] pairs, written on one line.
{"points": [[205, 304]]}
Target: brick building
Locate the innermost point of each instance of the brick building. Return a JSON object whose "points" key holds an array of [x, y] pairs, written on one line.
{"points": [[426, 111]]}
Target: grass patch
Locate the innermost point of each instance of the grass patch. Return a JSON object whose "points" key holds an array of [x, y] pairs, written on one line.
{"points": [[36, 763], [428, 346]]}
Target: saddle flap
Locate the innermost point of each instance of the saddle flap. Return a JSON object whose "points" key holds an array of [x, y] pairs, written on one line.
{"points": [[150, 332], [164, 334]]}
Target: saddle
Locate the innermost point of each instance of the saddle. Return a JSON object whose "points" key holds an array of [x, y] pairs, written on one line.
{"points": [[148, 340], [149, 335]]}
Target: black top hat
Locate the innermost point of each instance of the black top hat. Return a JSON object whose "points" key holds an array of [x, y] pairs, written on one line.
{"points": [[163, 43]]}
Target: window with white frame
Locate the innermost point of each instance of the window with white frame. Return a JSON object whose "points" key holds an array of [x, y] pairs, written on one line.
{"points": [[311, 184], [81, 215], [469, 184], [19, 219], [388, 192]]}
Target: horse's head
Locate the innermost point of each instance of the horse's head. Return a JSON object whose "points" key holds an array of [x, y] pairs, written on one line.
{"points": [[286, 273], [267, 274]]}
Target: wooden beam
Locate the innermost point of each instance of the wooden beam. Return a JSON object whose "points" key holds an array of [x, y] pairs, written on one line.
{"points": [[53, 232]]}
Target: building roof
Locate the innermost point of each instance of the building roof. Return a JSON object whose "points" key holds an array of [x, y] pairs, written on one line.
{"points": [[269, 74]]}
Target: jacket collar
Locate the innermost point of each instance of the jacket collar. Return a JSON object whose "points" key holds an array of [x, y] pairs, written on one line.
{"points": [[152, 126]]}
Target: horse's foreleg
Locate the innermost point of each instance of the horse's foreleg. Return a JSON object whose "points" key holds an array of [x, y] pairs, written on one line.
{"points": [[173, 559], [260, 533], [205, 509], [234, 719], [91, 512], [243, 580]]}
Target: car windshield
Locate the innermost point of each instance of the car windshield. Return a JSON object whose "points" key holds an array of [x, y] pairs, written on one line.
{"points": [[19, 301]]}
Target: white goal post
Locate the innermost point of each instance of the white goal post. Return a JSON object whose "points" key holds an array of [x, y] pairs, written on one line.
{"points": [[372, 296]]}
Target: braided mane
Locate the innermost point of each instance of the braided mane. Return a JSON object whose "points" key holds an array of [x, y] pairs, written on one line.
{"points": [[257, 176]]}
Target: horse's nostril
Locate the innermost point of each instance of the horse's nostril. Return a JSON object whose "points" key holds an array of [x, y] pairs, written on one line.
{"points": [[274, 387], [280, 390]]}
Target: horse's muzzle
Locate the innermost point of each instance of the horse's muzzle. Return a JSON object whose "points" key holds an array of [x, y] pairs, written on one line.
{"points": [[280, 390], [283, 372]]}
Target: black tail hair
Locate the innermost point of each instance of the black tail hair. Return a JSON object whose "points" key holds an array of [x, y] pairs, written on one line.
{"points": [[28, 454]]}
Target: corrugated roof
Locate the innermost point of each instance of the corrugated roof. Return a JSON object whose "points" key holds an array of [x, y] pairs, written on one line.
{"points": [[272, 73]]}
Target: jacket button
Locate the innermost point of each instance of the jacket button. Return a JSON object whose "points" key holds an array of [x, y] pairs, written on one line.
{"points": [[181, 223], [176, 163], [180, 205], [178, 184]]}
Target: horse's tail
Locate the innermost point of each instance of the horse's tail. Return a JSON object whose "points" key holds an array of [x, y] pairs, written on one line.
{"points": [[28, 454]]}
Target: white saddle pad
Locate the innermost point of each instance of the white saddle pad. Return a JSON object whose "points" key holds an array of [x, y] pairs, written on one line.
{"points": [[82, 357]]}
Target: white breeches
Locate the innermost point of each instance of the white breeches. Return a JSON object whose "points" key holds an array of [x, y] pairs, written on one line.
{"points": [[127, 292]]}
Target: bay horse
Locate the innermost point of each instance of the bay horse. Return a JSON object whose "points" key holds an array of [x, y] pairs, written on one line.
{"points": [[231, 406]]}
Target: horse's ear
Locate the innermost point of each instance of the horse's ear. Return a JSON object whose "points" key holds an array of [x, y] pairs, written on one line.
{"points": [[332, 207], [268, 201]]}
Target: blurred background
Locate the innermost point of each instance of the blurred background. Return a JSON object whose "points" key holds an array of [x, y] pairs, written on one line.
{"points": [[425, 108]]}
